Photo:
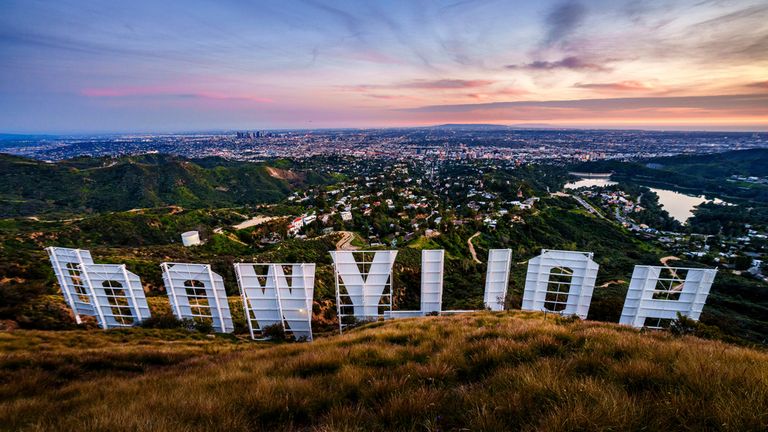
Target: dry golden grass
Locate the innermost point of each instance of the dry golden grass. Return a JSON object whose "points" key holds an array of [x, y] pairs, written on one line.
{"points": [[482, 371]]}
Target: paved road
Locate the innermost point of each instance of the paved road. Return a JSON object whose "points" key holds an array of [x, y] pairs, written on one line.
{"points": [[588, 206]]}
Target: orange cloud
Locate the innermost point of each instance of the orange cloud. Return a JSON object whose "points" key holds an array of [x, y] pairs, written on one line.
{"points": [[617, 86]]}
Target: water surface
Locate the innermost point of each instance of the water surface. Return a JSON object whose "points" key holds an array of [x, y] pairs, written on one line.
{"points": [[589, 182], [680, 206]]}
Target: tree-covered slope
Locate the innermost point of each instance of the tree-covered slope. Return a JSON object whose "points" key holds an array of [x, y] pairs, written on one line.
{"points": [[700, 174], [143, 240], [753, 162], [31, 187]]}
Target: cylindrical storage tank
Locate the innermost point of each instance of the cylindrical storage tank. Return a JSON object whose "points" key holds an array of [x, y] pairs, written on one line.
{"points": [[190, 238]]}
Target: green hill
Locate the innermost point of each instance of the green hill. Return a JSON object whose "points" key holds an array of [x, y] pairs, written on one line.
{"points": [[88, 185], [482, 372], [142, 240], [700, 174], [753, 162]]}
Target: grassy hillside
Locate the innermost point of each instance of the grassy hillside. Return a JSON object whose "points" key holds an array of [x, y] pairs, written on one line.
{"points": [[484, 371], [31, 187]]}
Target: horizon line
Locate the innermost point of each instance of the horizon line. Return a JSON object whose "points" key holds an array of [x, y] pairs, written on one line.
{"points": [[533, 126]]}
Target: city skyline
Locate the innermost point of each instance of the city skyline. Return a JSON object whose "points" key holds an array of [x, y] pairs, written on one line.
{"points": [[91, 67]]}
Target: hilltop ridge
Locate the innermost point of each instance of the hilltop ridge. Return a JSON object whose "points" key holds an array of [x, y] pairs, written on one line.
{"points": [[479, 371], [31, 187]]}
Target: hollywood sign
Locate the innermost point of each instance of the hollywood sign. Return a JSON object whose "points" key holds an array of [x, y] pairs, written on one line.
{"points": [[282, 295]]}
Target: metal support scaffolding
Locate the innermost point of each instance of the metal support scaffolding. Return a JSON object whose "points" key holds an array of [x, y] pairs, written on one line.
{"points": [[497, 279], [560, 281], [196, 292], [66, 264], [432, 280], [363, 284], [117, 295], [657, 294], [277, 294]]}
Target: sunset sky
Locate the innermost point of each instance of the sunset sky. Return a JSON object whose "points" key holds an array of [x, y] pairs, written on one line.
{"points": [[107, 66]]}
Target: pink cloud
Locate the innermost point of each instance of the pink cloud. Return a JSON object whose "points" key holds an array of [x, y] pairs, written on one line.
{"points": [[385, 96], [456, 88], [445, 84], [422, 84], [763, 85]]}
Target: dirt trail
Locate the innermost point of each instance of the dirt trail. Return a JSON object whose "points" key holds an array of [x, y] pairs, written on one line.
{"points": [[283, 174], [612, 282], [234, 238], [667, 259], [172, 209], [680, 282], [37, 219], [472, 247], [254, 221], [345, 243]]}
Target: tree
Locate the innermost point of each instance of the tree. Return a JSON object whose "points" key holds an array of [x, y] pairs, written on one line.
{"points": [[742, 262]]}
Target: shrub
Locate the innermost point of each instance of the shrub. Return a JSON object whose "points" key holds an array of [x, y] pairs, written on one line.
{"points": [[275, 332], [163, 321], [48, 313], [567, 319], [203, 326], [167, 321], [682, 326], [686, 326]]}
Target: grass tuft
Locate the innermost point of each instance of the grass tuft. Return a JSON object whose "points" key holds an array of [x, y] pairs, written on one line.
{"points": [[483, 371]]}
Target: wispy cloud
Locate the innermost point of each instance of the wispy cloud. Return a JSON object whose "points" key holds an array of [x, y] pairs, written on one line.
{"points": [[424, 84], [446, 84], [570, 62], [165, 92], [617, 86], [107, 57], [757, 102], [562, 21], [351, 22], [736, 36]]}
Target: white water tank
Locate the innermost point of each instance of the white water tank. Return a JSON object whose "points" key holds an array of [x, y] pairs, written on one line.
{"points": [[190, 238]]}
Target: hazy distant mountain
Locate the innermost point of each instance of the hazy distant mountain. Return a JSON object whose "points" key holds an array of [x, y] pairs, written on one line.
{"points": [[470, 126], [24, 137], [486, 126]]}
